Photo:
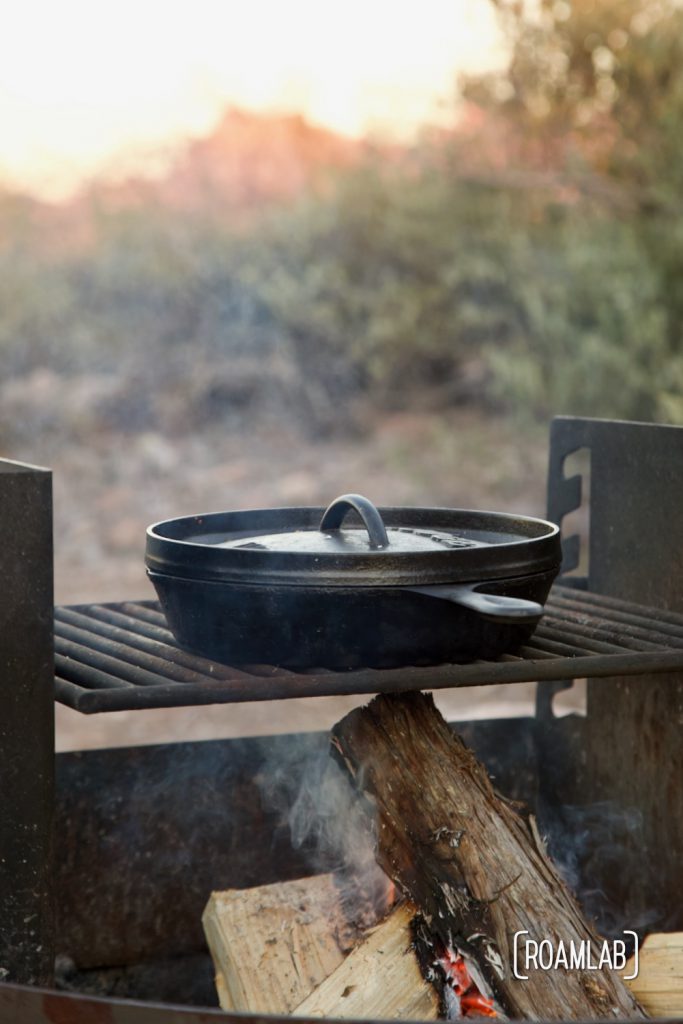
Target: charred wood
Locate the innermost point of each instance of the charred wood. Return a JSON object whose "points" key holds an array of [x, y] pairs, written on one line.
{"points": [[471, 861]]}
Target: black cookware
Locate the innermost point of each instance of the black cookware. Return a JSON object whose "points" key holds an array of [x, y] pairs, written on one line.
{"points": [[305, 587]]}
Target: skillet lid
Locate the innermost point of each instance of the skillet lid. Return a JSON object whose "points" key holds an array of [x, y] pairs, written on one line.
{"points": [[382, 547]]}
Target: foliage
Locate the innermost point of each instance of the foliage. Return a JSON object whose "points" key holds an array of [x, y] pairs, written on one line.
{"points": [[399, 276], [599, 86], [420, 280], [404, 278], [604, 80]]}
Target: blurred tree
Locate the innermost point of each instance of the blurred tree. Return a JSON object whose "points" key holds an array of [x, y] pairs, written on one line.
{"points": [[536, 264], [599, 81], [598, 87]]}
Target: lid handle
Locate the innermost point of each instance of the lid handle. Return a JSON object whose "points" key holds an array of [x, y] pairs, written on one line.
{"points": [[336, 512]]}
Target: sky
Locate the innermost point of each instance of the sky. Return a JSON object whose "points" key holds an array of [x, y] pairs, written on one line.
{"points": [[86, 87]]}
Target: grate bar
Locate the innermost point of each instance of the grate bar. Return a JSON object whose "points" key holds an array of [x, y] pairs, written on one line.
{"points": [[71, 671], [113, 657], [663, 633], [546, 643], [146, 611], [590, 599], [592, 637], [142, 634], [140, 651], [105, 618], [343, 684], [133, 656], [118, 668]]}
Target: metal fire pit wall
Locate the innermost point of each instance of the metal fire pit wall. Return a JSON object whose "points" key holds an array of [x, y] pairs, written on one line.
{"points": [[633, 754], [144, 834], [26, 723]]}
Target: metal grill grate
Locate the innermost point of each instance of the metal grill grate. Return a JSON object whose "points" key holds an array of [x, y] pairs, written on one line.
{"points": [[115, 657]]}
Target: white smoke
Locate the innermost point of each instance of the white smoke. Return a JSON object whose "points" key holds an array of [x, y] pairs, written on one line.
{"points": [[333, 824]]}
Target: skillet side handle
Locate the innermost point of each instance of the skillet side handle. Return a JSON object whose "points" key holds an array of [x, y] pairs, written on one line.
{"points": [[496, 607]]}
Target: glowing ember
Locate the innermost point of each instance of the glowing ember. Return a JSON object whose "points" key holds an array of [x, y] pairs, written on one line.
{"points": [[458, 980]]}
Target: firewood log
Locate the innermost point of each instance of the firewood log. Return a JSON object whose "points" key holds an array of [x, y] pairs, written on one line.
{"points": [[379, 979], [659, 985], [473, 864], [272, 945]]}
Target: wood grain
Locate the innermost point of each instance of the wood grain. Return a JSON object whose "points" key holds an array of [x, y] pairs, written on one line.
{"points": [[380, 979], [272, 945], [659, 985], [470, 860]]}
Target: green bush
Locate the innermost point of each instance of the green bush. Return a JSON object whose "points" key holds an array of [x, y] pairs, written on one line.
{"points": [[398, 281], [406, 279]]}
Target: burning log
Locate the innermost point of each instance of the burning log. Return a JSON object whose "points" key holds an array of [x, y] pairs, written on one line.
{"points": [[476, 868]]}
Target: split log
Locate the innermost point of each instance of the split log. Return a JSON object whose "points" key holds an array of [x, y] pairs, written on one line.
{"points": [[272, 945], [379, 979], [659, 985], [469, 860]]}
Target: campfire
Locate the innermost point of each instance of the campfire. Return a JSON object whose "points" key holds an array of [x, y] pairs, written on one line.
{"points": [[469, 881]]}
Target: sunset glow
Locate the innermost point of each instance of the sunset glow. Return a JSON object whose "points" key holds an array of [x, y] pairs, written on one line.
{"points": [[86, 87]]}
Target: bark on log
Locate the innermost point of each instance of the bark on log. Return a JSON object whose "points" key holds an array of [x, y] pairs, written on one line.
{"points": [[470, 861]]}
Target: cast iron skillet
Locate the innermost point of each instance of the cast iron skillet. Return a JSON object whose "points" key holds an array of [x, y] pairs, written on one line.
{"points": [[405, 586]]}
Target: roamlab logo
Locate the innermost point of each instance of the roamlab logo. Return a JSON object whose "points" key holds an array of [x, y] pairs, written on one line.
{"points": [[546, 955]]}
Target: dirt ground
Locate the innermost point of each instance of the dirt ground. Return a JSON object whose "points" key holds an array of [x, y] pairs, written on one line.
{"points": [[110, 487]]}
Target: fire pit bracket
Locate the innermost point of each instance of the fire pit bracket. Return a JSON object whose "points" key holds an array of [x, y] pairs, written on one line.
{"points": [[634, 729]]}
